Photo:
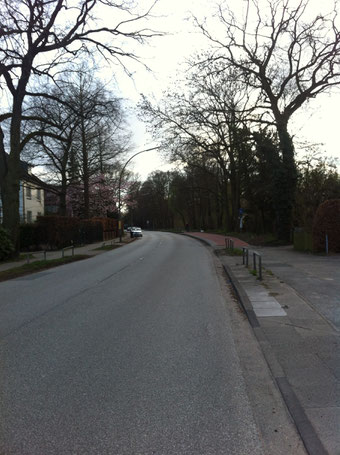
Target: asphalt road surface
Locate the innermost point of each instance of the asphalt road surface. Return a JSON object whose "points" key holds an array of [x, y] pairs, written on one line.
{"points": [[129, 352]]}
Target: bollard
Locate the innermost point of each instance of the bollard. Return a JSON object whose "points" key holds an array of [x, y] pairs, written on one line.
{"points": [[259, 265], [229, 243], [243, 255]]}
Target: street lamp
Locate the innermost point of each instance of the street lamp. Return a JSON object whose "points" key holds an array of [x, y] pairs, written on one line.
{"points": [[120, 183]]}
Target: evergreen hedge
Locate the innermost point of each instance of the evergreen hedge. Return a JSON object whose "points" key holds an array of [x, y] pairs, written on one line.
{"points": [[55, 232], [6, 245]]}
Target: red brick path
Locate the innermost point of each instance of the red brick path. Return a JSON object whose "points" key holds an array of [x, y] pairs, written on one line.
{"points": [[219, 240]]}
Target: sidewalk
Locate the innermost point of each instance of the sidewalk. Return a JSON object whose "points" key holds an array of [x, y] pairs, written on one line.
{"points": [[90, 250], [294, 313]]}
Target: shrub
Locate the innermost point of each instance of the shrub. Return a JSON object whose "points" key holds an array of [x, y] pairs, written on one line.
{"points": [[29, 236], [303, 240], [55, 232], [6, 245], [110, 227], [91, 230], [58, 231], [327, 222]]}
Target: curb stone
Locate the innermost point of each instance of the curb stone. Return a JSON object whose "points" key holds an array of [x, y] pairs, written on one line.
{"points": [[311, 440]]}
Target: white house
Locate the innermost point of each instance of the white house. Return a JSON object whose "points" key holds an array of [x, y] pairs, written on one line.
{"points": [[31, 196]]}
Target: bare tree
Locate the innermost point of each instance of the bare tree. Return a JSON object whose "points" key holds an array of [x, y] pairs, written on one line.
{"points": [[36, 38], [205, 126], [286, 56]]}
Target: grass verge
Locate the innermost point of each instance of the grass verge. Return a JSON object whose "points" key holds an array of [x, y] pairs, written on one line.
{"points": [[107, 247], [37, 266], [234, 252]]}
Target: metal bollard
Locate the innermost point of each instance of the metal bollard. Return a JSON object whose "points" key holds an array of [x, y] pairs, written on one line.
{"points": [[245, 256], [260, 267]]}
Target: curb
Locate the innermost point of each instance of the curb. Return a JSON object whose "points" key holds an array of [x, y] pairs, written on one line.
{"points": [[306, 430], [308, 435]]}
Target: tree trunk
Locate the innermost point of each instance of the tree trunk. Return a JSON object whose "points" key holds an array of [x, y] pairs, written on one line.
{"points": [[86, 179], [62, 197], [10, 188], [285, 181], [10, 191], [10, 177]]}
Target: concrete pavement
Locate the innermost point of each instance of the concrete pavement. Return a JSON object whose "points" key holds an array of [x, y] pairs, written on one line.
{"points": [[134, 352], [294, 312], [89, 250]]}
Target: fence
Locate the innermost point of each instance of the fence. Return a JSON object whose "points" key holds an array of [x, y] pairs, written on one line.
{"points": [[35, 252], [229, 243], [257, 260], [67, 248], [44, 253]]}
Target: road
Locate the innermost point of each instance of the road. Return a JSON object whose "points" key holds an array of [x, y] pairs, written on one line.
{"points": [[129, 352]]}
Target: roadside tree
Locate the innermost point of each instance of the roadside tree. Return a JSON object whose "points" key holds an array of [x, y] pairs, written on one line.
{"points": [[288, 57], [36, 39]]}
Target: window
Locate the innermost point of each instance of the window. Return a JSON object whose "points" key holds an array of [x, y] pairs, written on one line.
{"points": [[28, 192], [39, 194], [29, 216]]}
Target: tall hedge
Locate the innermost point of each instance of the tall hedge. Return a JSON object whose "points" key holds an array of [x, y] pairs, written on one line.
{"points": [[110, 227], [30, 237], [327, 222], [58, 231], [6, 246], [55, 232], [91, 231]]}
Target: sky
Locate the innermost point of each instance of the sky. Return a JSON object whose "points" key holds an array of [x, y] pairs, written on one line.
{"points": [[316, 123]]}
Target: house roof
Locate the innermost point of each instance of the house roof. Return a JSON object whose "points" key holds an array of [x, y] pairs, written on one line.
{"points": [[29, 177]]}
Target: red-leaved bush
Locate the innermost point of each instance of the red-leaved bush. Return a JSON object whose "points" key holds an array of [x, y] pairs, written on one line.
{"points": [[327, 222]]}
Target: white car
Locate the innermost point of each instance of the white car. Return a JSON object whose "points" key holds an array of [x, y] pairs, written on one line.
{"points": [[136, 232]]}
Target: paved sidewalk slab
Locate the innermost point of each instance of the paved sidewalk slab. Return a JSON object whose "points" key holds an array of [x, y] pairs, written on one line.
{"points": [[301, 346], [302, 350], [89, 249]]}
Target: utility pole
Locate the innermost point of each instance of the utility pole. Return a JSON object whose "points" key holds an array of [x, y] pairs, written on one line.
{"points": [[119, 187]]}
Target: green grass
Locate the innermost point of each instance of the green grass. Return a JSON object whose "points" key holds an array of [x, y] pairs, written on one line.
{"points": [[37, 266], [107, 247], [234, 252]]}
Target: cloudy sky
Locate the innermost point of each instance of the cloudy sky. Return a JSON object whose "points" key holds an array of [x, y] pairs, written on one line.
{"points": [[316, 123]]}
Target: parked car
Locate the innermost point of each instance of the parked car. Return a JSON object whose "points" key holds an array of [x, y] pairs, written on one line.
{"points": [[136, 232]]}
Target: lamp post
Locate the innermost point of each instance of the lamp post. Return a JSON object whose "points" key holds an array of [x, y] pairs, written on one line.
{"points": [[120, 183]]}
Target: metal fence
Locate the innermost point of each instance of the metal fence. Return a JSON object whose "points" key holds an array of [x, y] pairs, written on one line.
{"points": [[257, 260], [229, 243]]}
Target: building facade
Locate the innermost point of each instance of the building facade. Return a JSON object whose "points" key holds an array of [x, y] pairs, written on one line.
{"points": [[31, 196]]}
